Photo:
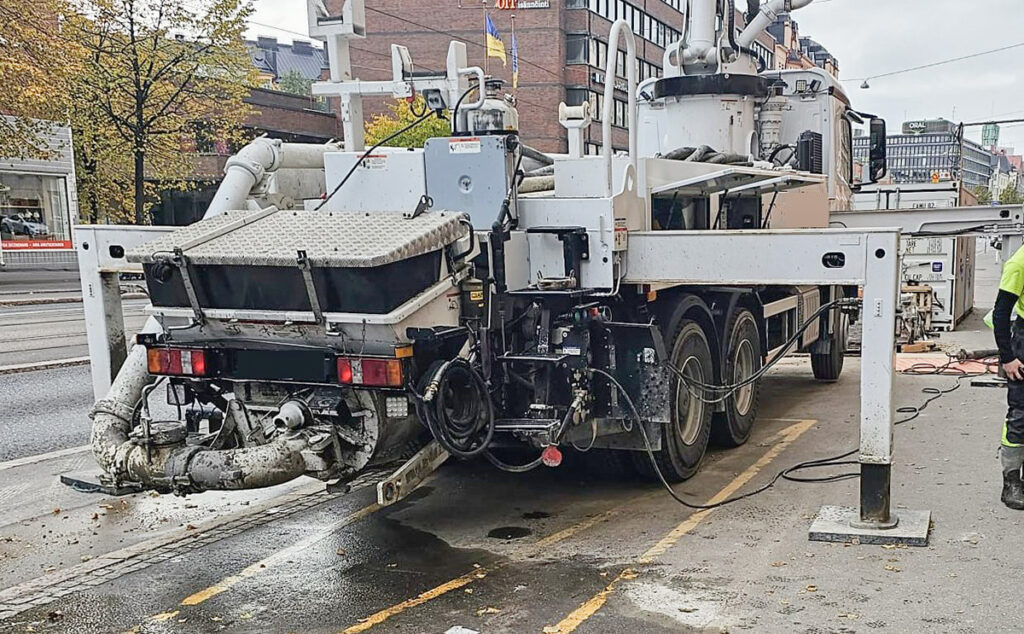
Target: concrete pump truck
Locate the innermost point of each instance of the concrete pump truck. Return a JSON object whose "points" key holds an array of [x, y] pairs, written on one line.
{"points": [[340, 306]]}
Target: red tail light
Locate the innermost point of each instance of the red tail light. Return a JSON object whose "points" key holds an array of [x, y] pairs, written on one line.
{"points": [[370, 372], [345, 371], [176, 362]]}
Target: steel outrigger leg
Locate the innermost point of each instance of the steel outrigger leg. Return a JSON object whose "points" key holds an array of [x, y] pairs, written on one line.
{"points": [[875, 522]]}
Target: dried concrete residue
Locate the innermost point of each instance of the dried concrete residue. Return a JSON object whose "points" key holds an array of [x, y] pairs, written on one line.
{"points": [[700, 607]]}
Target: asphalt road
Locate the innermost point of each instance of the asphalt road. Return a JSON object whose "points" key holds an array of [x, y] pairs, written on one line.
{"points": [[20, 282], [583, 548], [44, 411], [580, 548], [34, 334]]}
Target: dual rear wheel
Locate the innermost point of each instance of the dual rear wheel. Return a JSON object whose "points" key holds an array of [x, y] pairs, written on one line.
{"points": [[694, 423]]}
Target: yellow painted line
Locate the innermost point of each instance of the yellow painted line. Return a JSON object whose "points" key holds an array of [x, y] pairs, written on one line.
{"points": [[164, 617], [387, 613], [285, 554], [479, 573], [578, 616]]}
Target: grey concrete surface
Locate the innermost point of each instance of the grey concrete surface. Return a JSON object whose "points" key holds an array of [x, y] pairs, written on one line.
{"points": [[32, 334]]}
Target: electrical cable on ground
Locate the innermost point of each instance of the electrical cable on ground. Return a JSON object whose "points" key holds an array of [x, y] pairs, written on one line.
{"points": [[912, 413]]}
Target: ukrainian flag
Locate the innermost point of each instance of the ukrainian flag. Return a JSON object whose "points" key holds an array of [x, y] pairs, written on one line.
{"points": [[495, 47]]}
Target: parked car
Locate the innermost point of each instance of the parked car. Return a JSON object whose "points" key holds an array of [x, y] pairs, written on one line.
{"points": [[18, 226]]}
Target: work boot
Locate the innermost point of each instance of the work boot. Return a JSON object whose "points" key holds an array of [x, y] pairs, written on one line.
{"points": [[1013, 490]]}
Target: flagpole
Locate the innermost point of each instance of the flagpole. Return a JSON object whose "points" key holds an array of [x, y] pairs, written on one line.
{"points": [[515, 52], [487, 54]]}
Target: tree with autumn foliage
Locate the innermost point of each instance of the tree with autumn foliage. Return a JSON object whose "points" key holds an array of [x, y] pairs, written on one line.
{"points": [[153, 71], [136, 80], [37, 63], [402, 114]]}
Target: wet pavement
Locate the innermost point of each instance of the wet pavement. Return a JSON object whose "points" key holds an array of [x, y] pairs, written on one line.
{"points": [[581, 548], [37, 334], [520, 553]]}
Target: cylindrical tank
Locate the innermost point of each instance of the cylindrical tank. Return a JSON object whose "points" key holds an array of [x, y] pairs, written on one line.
{"points": [[498, 115], [713, 110]]}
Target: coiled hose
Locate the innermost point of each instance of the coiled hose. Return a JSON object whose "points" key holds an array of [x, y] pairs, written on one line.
{"points": [[458, 410]]}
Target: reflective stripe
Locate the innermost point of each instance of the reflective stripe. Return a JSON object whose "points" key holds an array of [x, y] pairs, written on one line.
{"points": [[1006, 442]]}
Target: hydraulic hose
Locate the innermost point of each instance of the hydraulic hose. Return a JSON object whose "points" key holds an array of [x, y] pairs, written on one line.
{"points": [[462, 423]]}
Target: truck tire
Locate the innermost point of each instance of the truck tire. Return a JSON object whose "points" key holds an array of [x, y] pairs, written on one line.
{"points": [[685, 440], [828, 367], [732, 427]]}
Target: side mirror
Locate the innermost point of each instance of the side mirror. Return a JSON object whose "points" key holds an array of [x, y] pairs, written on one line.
{"points": [[877, 154]]}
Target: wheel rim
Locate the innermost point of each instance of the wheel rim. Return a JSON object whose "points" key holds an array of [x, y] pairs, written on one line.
{"points": [[743, 368], [689, 410]]}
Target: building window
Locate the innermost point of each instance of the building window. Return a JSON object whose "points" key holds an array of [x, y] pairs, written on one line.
{"points": [[577, 48], [641, 22], [33, 208]]}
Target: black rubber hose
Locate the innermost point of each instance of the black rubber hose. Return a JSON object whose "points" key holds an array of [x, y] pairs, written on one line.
{"points": [[464, 430]]}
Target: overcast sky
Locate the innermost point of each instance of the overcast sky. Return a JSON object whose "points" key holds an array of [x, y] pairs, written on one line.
{"points": [[872, 37]]}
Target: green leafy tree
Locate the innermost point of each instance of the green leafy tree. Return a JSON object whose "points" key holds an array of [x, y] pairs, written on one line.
{"points": [[984, 194], [402, 114], [294, 83], [1011, 196]]}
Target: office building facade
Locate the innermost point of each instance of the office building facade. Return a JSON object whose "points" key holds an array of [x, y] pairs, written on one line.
{"points": [[563, 52], [930, 150]]}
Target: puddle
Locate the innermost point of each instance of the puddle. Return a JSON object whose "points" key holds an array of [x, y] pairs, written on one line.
{"points": [[510, 532], [536, 515]]}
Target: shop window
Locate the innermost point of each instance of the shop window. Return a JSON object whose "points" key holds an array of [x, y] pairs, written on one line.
{"points": [[33, 208]]}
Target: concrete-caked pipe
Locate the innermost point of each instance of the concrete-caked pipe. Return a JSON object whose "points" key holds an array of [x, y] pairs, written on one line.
{"points": [[177, 467]]}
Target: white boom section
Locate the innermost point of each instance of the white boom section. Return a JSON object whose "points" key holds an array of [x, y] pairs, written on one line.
{"points": [[865, 257]]}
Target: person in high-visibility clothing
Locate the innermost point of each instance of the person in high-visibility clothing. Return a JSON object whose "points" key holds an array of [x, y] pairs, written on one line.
{"points": [[1008, 323]]}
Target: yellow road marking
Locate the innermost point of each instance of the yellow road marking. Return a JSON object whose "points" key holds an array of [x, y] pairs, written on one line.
{"points": [[578, 616], [459, 582], [379, 617], [164, 617], [282, 555]]}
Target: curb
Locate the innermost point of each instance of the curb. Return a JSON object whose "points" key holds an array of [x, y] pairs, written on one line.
{"points": [[44, 365], [42, 301], [49, 301]]}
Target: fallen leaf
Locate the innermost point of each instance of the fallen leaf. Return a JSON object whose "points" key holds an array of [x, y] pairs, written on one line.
{"points": [[811, 588], [688, 610], [341, 552], [892, 568], [487, 610], [56, 511], [190, 528], [779, 564]]}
